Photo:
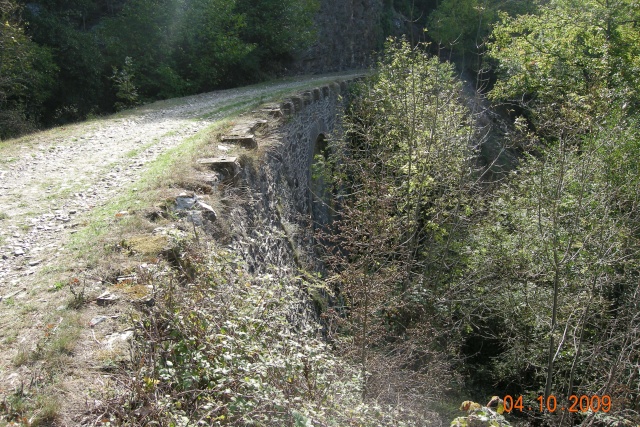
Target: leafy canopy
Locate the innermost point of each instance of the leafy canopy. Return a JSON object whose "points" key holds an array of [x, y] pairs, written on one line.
{"points": [[571, 59]]}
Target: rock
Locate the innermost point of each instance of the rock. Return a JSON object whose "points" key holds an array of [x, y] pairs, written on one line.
{"points": [[207, 211], [227, 166], [246, 141], [148, 301], [18, 252], [97, 320], [106, 298], [195, 217], [272, 110], [185, 202], [118, 336], [34, 263]]}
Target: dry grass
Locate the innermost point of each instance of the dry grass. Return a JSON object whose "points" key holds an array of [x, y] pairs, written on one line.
{"points": [[107, 246]]}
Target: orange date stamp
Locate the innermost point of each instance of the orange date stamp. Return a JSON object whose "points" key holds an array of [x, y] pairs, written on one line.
{"points": [[583, 403]]}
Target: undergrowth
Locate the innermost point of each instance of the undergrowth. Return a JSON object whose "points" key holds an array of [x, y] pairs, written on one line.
{"points": [[230, 348]]}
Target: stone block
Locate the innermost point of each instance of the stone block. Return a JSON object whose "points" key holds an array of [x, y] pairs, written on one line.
{"points": [[227, 166], [247, 126], [258, 124], [307, 98], [273, 111], [246, 141], [287, 108], [297, 103]]}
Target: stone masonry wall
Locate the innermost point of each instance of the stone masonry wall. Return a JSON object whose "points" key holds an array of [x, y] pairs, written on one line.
{"points": [[275, 221]]}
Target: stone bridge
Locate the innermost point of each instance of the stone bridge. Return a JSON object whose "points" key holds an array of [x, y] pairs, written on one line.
{"points": [[272, 172]]}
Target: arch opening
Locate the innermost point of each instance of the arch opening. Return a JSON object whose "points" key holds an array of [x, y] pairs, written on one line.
{"points": [[320, 197]]}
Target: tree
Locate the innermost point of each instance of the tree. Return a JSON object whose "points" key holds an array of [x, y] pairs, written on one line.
{"points": [[181, 47], [210, 49], [27, 74], [404, 174], [278, 29], [554, 266], [80, 87], [127, 93], [463, 26], [569, 61], [146, 32]]}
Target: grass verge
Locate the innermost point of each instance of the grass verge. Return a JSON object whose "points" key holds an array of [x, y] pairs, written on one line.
{"points": [[96, 246]]}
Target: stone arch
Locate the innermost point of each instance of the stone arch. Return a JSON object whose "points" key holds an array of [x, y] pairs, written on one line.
{"points": [[317, 138], [320, 197], [321, 146]]}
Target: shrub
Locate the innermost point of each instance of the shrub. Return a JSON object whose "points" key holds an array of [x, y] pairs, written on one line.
{"points": [[233, 349]]}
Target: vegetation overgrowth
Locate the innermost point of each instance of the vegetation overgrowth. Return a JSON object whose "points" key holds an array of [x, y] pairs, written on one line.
{"points": [[525, 284], [66, 61], [222, 346], [441, 280]]}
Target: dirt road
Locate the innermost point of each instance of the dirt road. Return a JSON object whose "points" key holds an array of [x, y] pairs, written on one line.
{"points": [[50, 183]]}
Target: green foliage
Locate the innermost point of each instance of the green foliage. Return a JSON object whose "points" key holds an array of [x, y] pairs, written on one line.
{"points": [[409, 123], [210, 45], [480, 416], [185, 47], [464, 25], [569, 61], [278, 29], [27, 74], [556, 243], [461, 24], [403, 172], [145, 31], [415, 11], [178, 47], [233, 349], [60, 67], [127, 93], [79, 86]]}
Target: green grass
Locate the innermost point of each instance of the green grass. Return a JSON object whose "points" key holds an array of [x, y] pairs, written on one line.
{"points": [[132, 153], [10, 147], [66, 337], [235, 107], [101, 220], [6, 159], [11, 338], [90, 246], [28, 308], [31, 406], [64, 193]]}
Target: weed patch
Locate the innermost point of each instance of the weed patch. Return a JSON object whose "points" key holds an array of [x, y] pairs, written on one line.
{"points": [[230, 348], [30, 405]]}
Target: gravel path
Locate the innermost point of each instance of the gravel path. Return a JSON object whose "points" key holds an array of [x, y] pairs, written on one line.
{"points": [[50, 182], [46, 187]]}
